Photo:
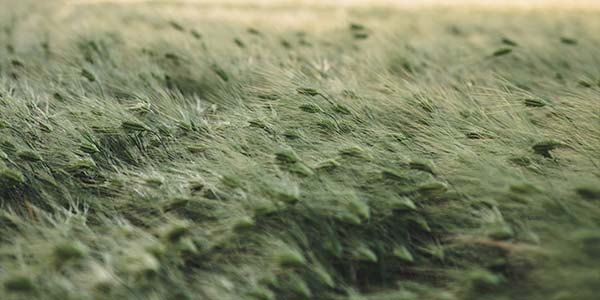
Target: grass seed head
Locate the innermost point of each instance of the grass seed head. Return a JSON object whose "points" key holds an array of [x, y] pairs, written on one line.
{"points": [[588, 240], [287, 193], [195, 149], [231, 181], [19, 284], [45, 127], [259, 124], [484, 279], [175, 204], [323, 276], [254, 31], [8, 146], [522, 161], [585, 84], [196, 186], [421, 223], [473, 135], [265, 208], [88, 147], [348, 217], [196, 34], [509, 42], [185, 126], [432, 189], [81, 165], [29, 156], [220, 72], [307, 91], [285, 44], [10, 48], [301, 169], [435, 250], [290, 258], [261, 293], [58, 97], [525, 189], [568, 41], [455, 30], [403, 254], [172, 57], [364, 253], [46, 46], [328, 165], [500, 232], [176, 231], [88, 75], [589, 192], [534, 102], [292, 134], [102, 279], [239, 43], [17, 63], [11, 176], [360, 35], [403, 204], [327, 125], [287, 156], [298, 286], [333, 246], [69, 251], [502, 52], [154, 181], [357, 27], [176, 26], [311, 108], [543, 148], [359, 208], [141, 263], [353, 151], [271, 97], [349, 94], [339, 108], [392, 175], [421, 166], [186, 246], [243, 223], [134, 125], [427, 105]]}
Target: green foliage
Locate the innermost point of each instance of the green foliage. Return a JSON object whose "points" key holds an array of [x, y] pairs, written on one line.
{"points": [[142, 159]]}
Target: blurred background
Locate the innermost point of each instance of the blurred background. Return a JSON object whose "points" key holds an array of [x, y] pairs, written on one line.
{"points": [[407, 3]]}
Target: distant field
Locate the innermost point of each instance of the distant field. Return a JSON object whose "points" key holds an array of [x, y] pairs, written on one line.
{"points": [[285, 150], [586, 4]]}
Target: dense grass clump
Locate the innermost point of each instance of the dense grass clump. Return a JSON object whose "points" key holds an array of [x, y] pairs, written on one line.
{"points": [[160, 151]]}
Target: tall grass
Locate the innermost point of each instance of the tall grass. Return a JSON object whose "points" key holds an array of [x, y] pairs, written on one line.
{"points": [[152, 151]]}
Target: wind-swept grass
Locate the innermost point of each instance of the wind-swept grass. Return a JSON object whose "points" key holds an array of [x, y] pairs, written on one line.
{"points": [[150, 151]]}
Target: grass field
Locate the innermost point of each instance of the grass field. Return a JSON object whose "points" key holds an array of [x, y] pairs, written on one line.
{"points": [[186, 150]]}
